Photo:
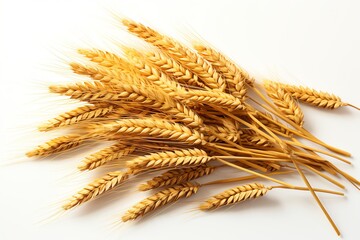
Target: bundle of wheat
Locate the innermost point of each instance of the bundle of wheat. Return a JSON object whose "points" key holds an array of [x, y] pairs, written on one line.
{"points": [[190, 109]]}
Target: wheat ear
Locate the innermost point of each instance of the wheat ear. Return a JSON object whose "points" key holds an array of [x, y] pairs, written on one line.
{"points": [[177, 176], [159, 199], [150, 127], [180, 53], [109, 76], [105, 155], [149, 96], [213, 97], [250, 137], [285, 102], [96, 188], [235, 195], [172, 88], [174, 69], [56, 145], [177, 158], [77, 115], [107, 59], [234, 76], [314, 97]]}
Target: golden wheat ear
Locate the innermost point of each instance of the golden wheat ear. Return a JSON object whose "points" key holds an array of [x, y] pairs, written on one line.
{"points": [[235, 195], [96, 188], [56, 145], [164, 197], [285, 102], [177, 176], [105, 155], [314, 97]]}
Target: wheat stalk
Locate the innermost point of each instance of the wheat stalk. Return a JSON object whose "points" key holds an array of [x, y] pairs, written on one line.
{"points": [[182, 157], [285, 102], [150, 127], [234, 195], [313, 97], [177, 176], [105, 155], [159, 199], [77, 115], [177, 51], [96, 188], [56, 145]]}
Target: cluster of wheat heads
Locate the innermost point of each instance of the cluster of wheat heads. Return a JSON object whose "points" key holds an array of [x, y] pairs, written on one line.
{"points": [[183, 112]]}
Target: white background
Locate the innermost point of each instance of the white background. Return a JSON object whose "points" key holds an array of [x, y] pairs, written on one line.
{"points": [[314, 43]]}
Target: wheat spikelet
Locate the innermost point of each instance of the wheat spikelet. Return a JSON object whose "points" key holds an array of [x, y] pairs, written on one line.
{"points": [[77, 115], [177, 51], [170, 159], [105, 155], [159, 199], [214, 97], [177, 176], [173, 69], [146, 95], [234, 195], [56, 145], [150, 127], [312, 96], [172, 88], [285, 102], [96, 188]]}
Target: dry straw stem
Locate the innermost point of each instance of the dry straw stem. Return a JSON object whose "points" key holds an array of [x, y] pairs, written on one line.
{"points": [[180, 53], [177, 158], [57, 145], [177, 176], [285, 102], [150, 127], [159, 199], [149, 96], [234, 76], [174, 69], [235, 195], [314, 97], [105, 155], [96, 188], [77, 115]]}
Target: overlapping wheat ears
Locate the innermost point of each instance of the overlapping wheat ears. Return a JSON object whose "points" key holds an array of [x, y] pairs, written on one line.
{"points": [[190, 109]]}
